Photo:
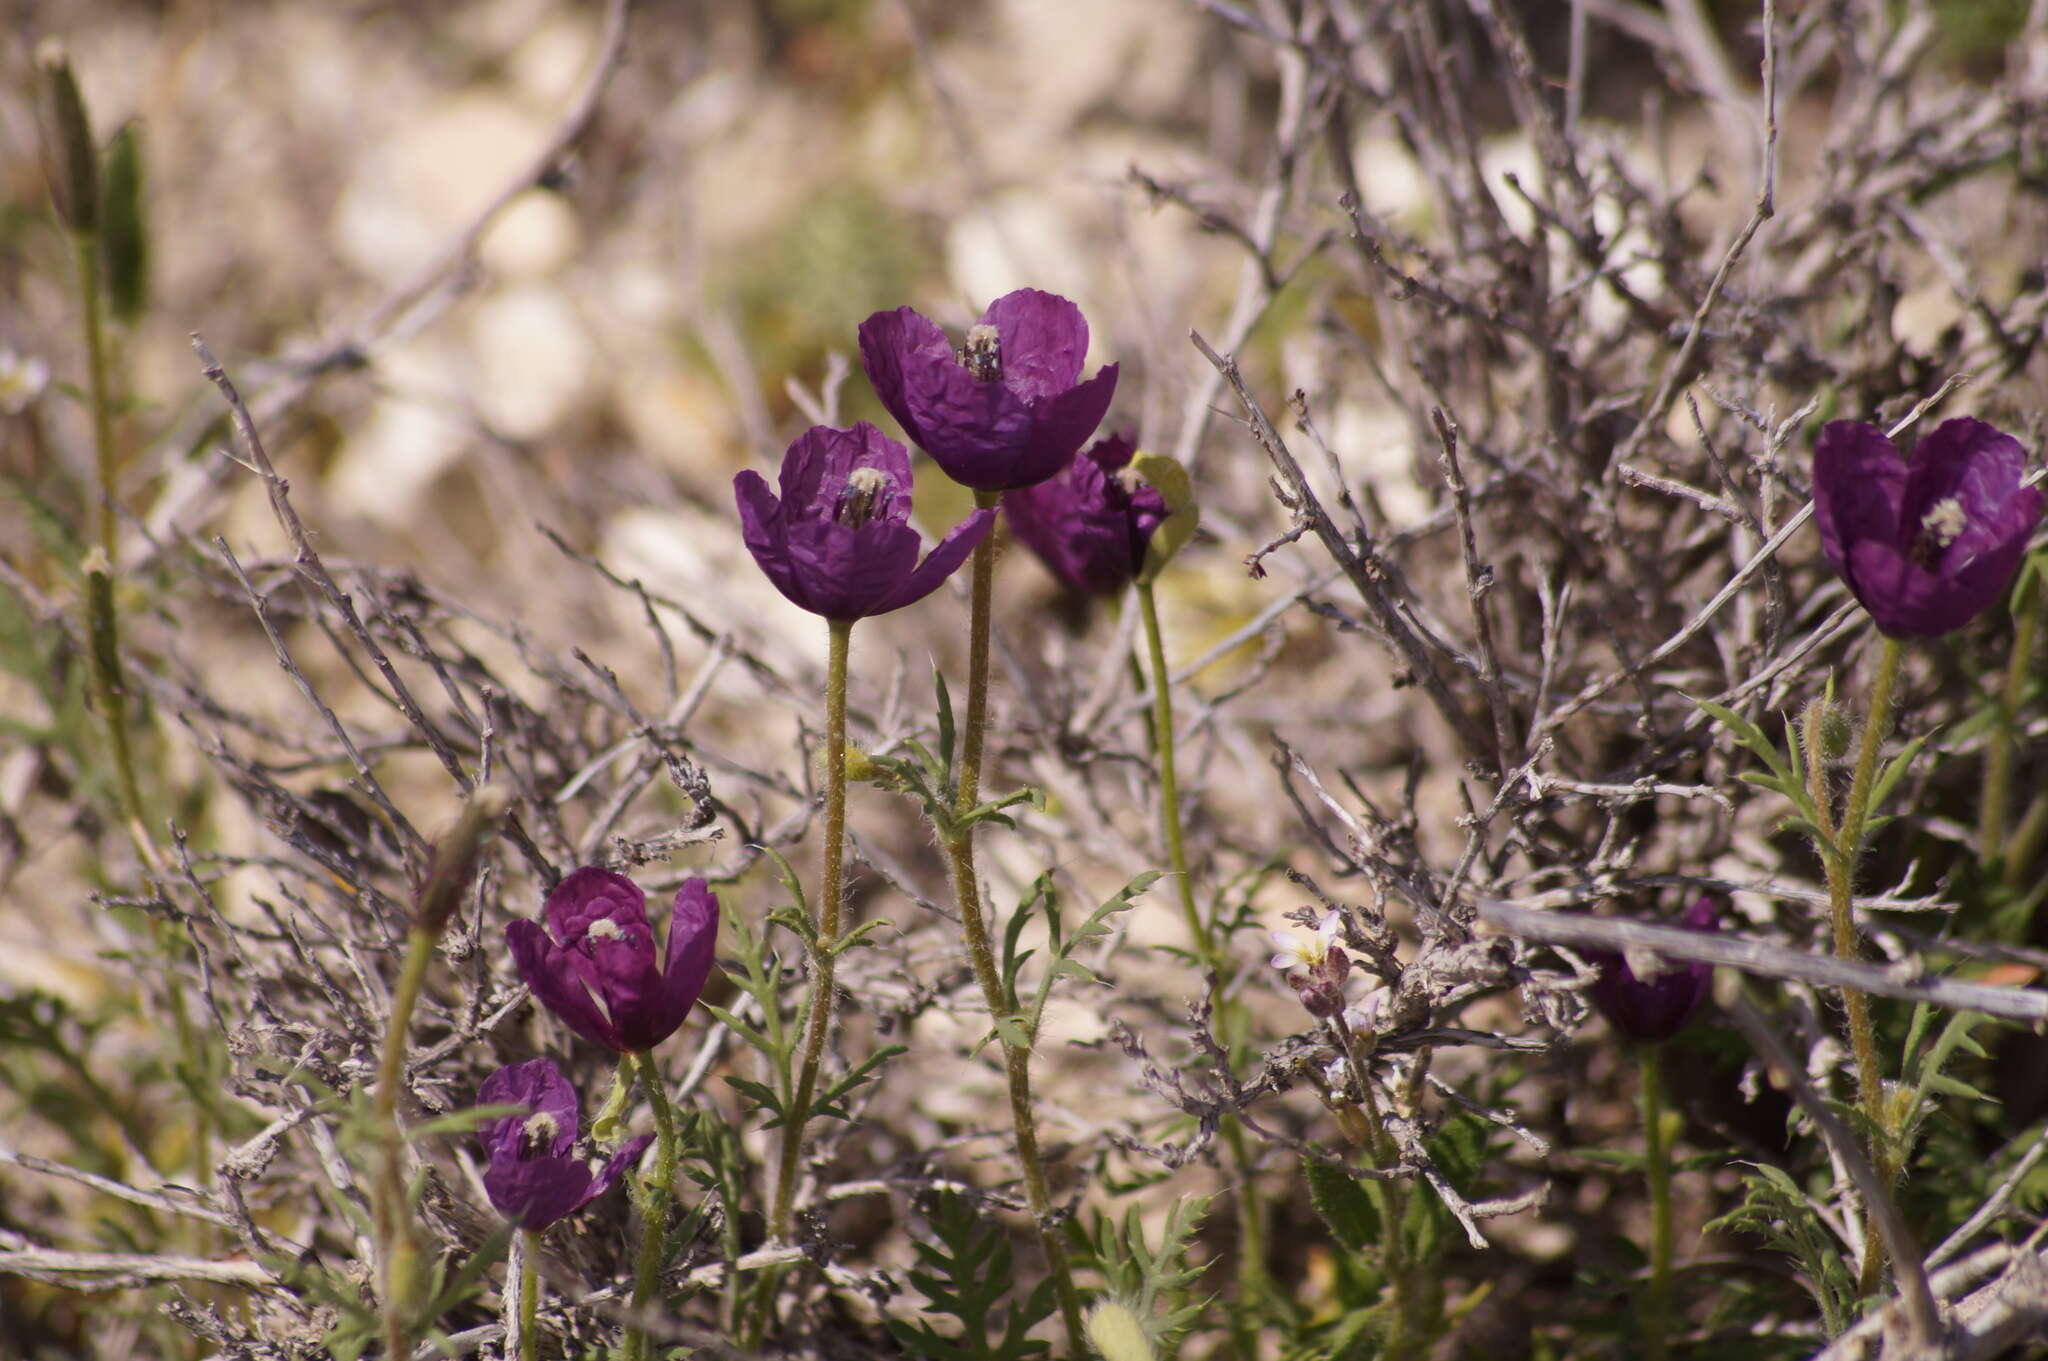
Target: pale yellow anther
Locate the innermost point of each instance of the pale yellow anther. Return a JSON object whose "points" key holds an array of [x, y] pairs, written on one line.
{"points": [[1944, 521]]}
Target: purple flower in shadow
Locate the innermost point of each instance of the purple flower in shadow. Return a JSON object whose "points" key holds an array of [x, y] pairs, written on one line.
{"points": [[1927, 543], [1088, 524], [1006, 410], [1652, 1008], [531, 1178], [595, 965], [839, 540]]}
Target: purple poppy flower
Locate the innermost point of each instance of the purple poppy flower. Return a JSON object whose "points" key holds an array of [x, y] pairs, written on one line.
{"points": [[1650, 1009], [1006, 410], [531, 1179], [839, 541], [1086, 522], [595, 967], [1924, 543]]}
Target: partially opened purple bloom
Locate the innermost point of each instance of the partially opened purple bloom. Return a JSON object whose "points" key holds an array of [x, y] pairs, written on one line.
{"points": [[1006, 410], [595, 965], [1088, 524], [1652, 1008], [1925, 544], [531, 1178], [839, 541]]}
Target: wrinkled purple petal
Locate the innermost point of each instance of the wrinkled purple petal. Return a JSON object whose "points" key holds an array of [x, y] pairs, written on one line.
{"points": [[812, 546], [1653, 1009], [1928, 544], [820, 461], [1087, 526], [942, 561], [539, 1088], [1044, 340], [762, 525], [844, 573], [590, 894], [664, 999], [1859, 481], [1067, 420], [621, 1161], [976, 431], [549, 971], [892, 346], [1905, 600], [1001, 433], [535, 1193], [692, 948]]}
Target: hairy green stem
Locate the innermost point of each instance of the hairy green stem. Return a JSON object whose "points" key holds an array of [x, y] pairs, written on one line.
{"points": [[1201, 938], [397, 1249], [823, 961], [981, 953], [654, 1198], [1657, 1170], [1998, 757], [103, 622], [1840, 868], [529, 1295]]}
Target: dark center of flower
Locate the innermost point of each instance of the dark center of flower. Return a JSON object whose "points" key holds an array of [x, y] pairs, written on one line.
{"points": [[983, 353], [537, 1134], [1943, 523], [864, 497]]}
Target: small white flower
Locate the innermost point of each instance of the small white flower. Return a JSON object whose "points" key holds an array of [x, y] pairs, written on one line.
{"points": [[1296, 951], [1336, 1072], [1370, 1011], [22, 379]]}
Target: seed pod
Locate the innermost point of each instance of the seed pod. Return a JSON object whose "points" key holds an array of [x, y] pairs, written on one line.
{"points": [[70, 160], [456, 859], [124, 230]]}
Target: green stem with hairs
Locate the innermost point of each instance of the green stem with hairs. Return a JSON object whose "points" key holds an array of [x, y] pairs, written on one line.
{"points": [[823, 961], [397, 1248], [1657, 1170], [981, 953], [1998, 757], [1839, 864], [103, 620], [654, 1198], [529, 1295], [1201, 938]]}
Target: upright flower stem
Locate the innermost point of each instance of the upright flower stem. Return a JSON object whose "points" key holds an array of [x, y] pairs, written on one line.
{"points": [[1992, 812], [1199, 937], [103, 621], [981, 954], [824, 960], [397, 1249], [1251, 1226], [1839, 865], [1657, 1170], [654, 1200], [526, 1308]]}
